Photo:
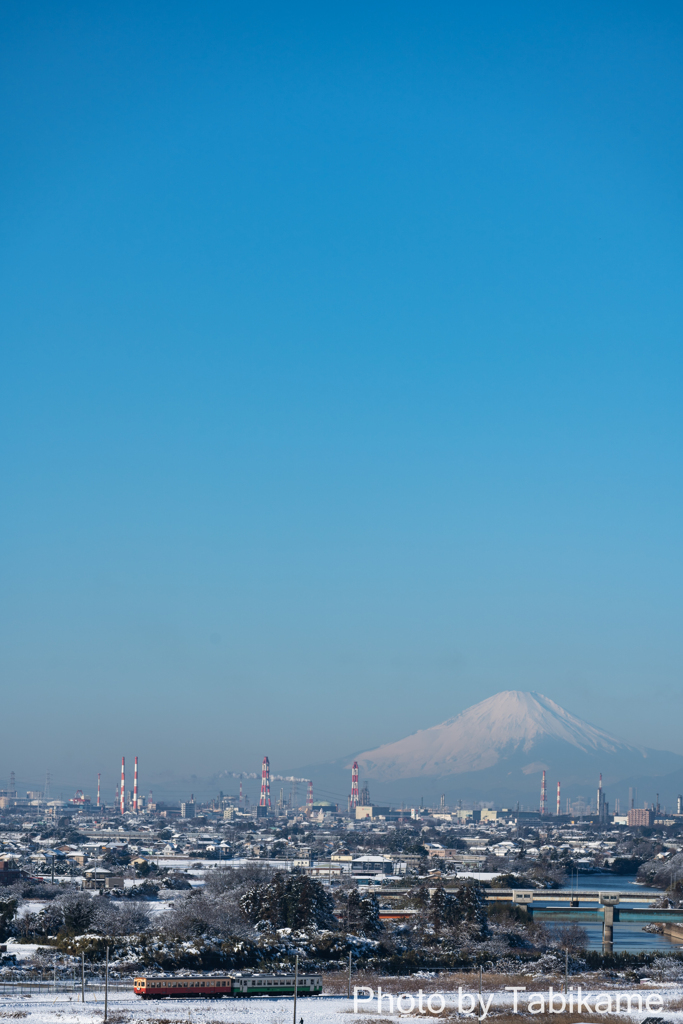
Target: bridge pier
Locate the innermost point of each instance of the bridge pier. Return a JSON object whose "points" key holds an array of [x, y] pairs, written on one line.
{"points": [[608, 930], [609, 901], [524, 901]]}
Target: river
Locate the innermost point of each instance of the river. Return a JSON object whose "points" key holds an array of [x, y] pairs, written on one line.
{"points": [[628, 937]]}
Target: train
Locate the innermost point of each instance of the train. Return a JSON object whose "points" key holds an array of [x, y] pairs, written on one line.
{"points": [[241, 983]]}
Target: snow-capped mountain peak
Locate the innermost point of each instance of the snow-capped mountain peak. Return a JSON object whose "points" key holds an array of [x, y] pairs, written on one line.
{"points": [[513, 722]]}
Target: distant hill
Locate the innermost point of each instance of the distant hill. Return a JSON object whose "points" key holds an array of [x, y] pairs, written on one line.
{"points": [[497, 750]]}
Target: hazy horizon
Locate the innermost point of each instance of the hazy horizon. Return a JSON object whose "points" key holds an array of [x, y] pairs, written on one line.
{"points": [[330, 778]]}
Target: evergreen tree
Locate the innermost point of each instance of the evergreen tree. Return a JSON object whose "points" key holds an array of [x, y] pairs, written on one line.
{"points": [[439, 908], [8, 908], [472, 904], [288, 901], [362, 914]]}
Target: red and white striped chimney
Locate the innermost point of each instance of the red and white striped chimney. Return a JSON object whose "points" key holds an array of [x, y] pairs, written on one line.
{"points": [[98, 789], [354, 786], [558, 800], [265, 783], [123, 786], [309, 798], [135, 787]]}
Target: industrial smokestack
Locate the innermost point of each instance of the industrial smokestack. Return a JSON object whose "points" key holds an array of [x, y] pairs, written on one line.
{"points": [[543, 795], [558, 800], [98, 789], [309, 798], [135, 787], [123, 786], [354, 786], [265, 783]]}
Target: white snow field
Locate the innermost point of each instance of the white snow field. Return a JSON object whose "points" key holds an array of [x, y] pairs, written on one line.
{"points": [[126, 1008]]}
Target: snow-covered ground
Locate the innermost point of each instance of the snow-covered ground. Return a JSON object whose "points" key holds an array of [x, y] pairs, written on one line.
{"points": [[481, 876], [24, 950], [31, 907], [65, 1009], [126, 1008], [156, 908], [179, 863]]}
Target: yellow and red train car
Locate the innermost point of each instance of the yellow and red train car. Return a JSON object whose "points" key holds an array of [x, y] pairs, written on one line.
{"points": [[183, 988], [206, 986]]}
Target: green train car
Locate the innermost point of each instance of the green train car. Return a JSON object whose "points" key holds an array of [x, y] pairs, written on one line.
{"points": [[244, 984]]}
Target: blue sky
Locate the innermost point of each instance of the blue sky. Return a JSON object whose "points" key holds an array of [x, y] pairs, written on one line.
{"points": [[341, 374]]}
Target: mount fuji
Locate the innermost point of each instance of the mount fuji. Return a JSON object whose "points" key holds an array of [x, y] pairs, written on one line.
{"points": [[497, 750], [513, 725]]}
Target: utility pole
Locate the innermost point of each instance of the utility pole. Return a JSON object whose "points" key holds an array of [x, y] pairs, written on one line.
{"points": [[349, 975], [53, 869], [296, 982], [106, 985], [82, 977], [566, 970]]}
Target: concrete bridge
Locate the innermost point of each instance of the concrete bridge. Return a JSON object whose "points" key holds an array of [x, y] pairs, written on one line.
{"points": [[574, 897], [565, 905], [606, 907]]}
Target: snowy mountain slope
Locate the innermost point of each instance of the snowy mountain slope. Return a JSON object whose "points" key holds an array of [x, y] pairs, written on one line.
{"points": [[512, 729]]}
